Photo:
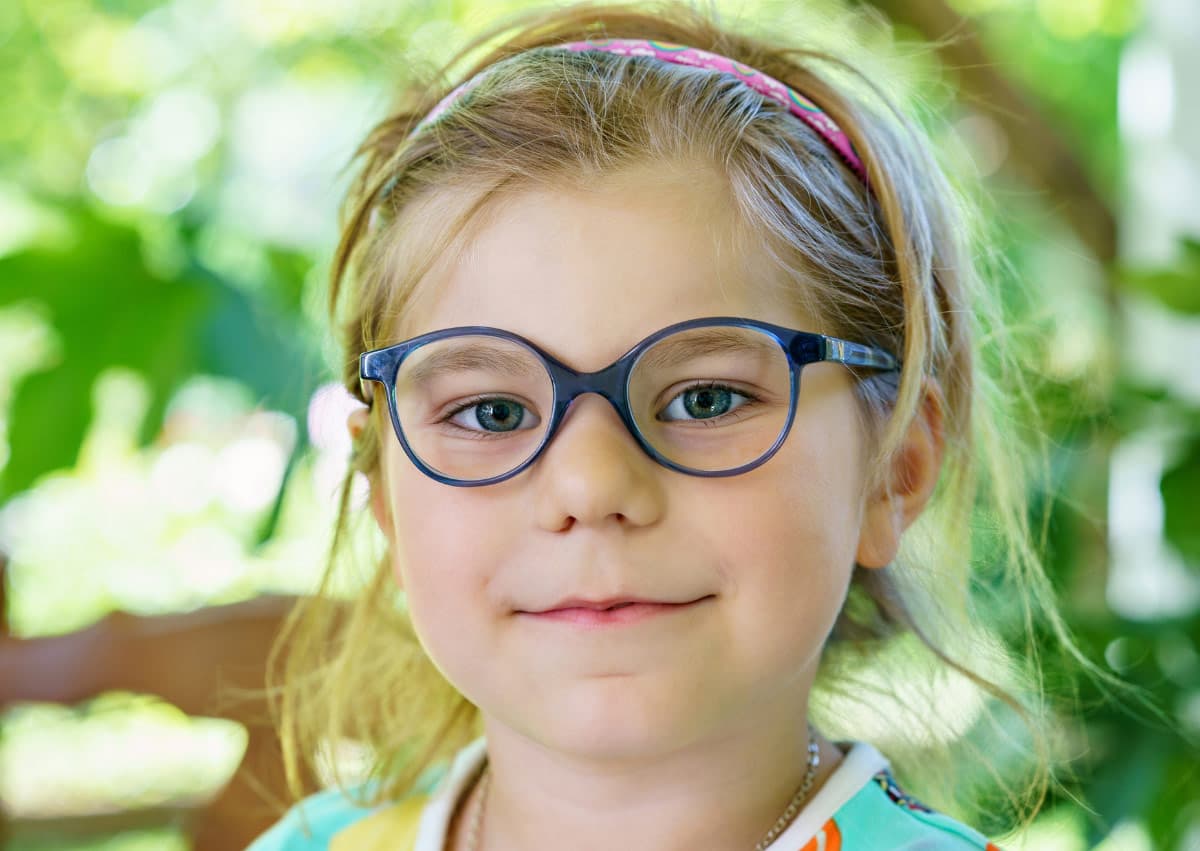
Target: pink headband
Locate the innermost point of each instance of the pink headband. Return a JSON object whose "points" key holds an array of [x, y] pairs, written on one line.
{"points": [[800, 106]]}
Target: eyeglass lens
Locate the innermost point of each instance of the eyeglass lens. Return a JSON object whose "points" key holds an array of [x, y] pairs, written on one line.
{"points": [[710, 399]]}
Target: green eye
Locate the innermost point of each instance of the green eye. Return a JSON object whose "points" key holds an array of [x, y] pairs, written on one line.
{"points": [[704, 402], [494, 415]]}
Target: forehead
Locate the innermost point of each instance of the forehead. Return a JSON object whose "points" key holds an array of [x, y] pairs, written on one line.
{"points": [[587, 272]]}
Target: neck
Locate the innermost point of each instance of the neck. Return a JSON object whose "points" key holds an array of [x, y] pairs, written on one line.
{"points": [[721, 794]]}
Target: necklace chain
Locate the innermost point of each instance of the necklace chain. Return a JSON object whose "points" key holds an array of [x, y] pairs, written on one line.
{"points": [[814, 760]]}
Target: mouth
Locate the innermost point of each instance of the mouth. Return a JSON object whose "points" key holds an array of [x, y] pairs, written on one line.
{"points": [[609, 604], [607, 613]]}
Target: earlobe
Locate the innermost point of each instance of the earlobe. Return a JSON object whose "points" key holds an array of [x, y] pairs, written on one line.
{"points": [[906, 489]]}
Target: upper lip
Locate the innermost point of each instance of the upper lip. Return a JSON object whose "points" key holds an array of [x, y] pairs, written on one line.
{"points": [[582, 603]]}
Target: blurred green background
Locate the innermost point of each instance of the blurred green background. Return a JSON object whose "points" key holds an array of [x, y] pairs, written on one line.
{"points": [[170, 442]]}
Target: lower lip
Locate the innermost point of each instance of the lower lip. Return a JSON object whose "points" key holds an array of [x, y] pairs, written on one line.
{"points": [[594, 618]]}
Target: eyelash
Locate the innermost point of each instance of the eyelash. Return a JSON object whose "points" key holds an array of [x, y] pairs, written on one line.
{"points": [[732, 416], [472, 434]]}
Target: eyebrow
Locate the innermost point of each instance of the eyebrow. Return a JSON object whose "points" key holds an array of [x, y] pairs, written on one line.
{"points": [[472, 356], [696, 343], [707, 342]]}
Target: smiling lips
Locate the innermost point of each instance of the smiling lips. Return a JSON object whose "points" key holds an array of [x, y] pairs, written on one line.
{"points": [[596, 613], [601, 605]]}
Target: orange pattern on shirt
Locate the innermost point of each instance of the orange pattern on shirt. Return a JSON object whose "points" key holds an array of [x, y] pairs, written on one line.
{"points": [[828, 838]]}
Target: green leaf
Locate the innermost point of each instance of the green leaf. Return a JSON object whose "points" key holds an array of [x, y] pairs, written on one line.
{"points": [[1180, 487], [1176, 286], [110, 309]]}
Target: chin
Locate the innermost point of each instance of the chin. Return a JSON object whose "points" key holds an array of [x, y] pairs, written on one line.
{"points": [[609, 718]]}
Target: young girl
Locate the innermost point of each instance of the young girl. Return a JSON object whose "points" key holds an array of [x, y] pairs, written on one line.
{"points": [[665, 341]]}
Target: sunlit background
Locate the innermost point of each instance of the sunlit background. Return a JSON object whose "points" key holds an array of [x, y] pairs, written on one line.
{"points": [[171, 441]]}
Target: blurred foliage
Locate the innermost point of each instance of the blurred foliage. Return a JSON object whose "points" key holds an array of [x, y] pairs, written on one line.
{"points": [[136, 726], [1174, 286], [163, 326], [169, 175]]}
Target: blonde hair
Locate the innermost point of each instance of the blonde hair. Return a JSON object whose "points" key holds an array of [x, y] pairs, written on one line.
{"points": [[893, 266]]}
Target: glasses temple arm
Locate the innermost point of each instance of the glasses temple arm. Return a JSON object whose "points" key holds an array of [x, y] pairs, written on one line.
{"points": [[856, 354], [369, 375]]}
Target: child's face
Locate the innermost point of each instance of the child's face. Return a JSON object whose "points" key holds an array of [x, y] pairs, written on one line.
{"points": [[585, 277]]}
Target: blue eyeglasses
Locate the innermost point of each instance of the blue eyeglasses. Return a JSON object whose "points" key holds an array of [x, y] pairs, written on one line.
{"points": [[476, 405]]}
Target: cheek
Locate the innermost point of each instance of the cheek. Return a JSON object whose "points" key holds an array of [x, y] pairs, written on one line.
{"points": [[796, 544], [449, 544], [806, 499], [430, 553], [791, 532], [428, 562]]}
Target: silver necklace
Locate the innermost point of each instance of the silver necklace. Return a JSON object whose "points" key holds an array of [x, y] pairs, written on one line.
{"points": [[814, 760]]}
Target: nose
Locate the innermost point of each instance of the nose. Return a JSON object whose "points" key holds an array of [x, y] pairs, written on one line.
{"points": [[594, 470]]}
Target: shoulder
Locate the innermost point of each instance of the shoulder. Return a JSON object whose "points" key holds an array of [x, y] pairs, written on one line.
{"points": [[882, 815], [311, 824], [337, 820], [392, 828]]}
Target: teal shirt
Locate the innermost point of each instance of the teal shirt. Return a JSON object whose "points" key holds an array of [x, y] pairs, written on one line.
{"points": [[858, 808], [324, 814]]}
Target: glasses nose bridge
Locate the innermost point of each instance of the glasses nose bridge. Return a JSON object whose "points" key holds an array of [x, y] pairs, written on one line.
{"points": [[608, 382]]}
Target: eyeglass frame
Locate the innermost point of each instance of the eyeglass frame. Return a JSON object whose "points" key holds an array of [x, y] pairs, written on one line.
{"points": [[612, 382]]}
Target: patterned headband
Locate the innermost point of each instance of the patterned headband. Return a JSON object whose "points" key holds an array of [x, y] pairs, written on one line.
{"points": [[798, 104]]}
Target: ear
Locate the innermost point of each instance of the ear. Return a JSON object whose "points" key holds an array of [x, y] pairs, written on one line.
{"points": [[358, 420], [907, 485]]}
